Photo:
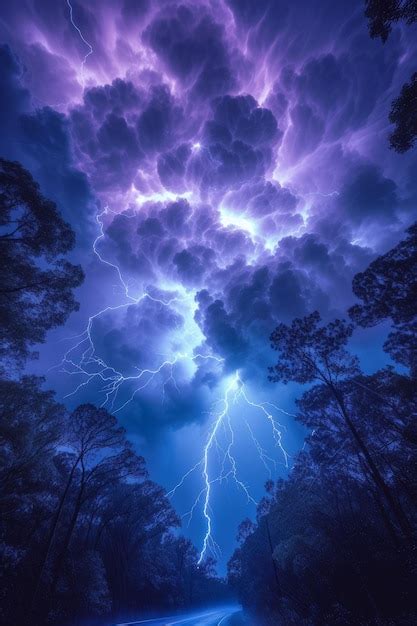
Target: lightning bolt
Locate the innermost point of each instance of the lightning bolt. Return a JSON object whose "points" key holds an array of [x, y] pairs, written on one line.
{"points": [[234, 393], [89, 46], [218, 462], [90, 366]]}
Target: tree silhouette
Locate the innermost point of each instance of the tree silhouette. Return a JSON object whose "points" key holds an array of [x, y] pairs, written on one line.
{"points": [[309, 353], [382, 15], [403, 114], [37, 282], [101, 456], [342, 527], [83, 531], [22, 445], [388, 290]]}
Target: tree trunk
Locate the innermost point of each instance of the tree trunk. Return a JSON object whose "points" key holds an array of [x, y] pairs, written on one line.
{"points": [[59, 562], [49, 542], [271, 548], [62, 554], [379, 481]]}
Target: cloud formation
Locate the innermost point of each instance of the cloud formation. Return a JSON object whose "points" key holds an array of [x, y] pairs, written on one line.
{"points": [[236, 154]]}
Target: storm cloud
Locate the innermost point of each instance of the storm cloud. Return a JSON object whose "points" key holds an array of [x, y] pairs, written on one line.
{"points": [[229, 160]]}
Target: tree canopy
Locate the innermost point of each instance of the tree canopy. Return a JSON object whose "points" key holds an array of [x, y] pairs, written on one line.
{"points": [[334, 544], [387, 289], [37, 281], [84, 531], [382, 15]]}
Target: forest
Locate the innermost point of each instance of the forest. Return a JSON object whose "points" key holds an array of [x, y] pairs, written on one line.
{"points": [[85, 534], [335, 543]]}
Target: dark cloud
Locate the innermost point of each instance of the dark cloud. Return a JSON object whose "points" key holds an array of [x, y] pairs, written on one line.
{"points": [[15, 99], [240, 118], [334, 94], [236, 144], [158, 123], [119, 128], [193, 263], [220, 332], [286, 295], [41, 140], [192, 46], [267, 117], [172, 168], [121, 97], [106, 136], [368, 196]]}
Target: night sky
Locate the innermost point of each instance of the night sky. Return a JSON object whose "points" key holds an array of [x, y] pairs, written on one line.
{"points": [[225, 165]]}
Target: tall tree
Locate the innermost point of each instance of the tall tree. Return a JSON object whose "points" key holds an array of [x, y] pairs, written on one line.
{"points": [[343, 525], [32, 427], [129, 534], [22, 445], [310, 352], [37, 282], [101, 456]]}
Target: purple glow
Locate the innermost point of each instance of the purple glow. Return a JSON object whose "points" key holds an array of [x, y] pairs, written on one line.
{"points": [[226, 167]]}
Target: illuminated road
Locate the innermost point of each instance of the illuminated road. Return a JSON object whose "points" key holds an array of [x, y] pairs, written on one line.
{"points": [[228, 616]]}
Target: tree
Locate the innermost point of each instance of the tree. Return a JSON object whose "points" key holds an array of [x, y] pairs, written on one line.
{"points": [[310, 353], [342, 527], [100, 456], [37, 282], [403, 115], [388, 290], [382, 15], [333, 555], [22, 445], [84, 532], [388, 287], [32, 425], [129, 533]]}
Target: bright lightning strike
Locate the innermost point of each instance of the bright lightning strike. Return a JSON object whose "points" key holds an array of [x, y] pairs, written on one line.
{"points": [[222, 425], [83, 360]]}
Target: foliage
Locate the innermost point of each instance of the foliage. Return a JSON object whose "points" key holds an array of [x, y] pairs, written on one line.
{"points": [[336, 542], [403, 115], [37, 282], [388, 290], [382, 15], [84, 532]]}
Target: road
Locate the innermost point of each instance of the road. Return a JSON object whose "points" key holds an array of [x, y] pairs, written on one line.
{"points": [[227, 616]]}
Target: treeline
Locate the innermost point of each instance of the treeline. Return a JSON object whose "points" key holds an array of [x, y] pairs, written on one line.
{"points": [[335, 544], [84, 534], [84, 531]]}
